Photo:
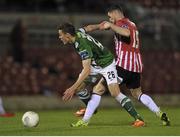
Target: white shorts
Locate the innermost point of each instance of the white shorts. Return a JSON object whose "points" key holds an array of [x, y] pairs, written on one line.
{"points": [[109, 72]]}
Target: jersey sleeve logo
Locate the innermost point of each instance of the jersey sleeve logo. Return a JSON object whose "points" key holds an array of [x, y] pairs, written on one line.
{"points": [[82, 30], [84, 54]]}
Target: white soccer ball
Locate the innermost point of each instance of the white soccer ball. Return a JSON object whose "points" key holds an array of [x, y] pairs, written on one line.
{"points": [[30, 119]]}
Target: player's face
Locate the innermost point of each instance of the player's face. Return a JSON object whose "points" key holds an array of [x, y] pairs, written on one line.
{"points": [[111, 16], [64, 37]]}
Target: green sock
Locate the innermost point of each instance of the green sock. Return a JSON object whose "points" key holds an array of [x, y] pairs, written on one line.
{"points": [[85, 101], [84, 95], [128, 106]]}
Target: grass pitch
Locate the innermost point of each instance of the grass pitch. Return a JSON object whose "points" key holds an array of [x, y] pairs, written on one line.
{"points": [[107, 122]]}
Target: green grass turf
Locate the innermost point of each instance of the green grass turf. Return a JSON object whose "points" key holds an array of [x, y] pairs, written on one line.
{"points": [[106, 122]]}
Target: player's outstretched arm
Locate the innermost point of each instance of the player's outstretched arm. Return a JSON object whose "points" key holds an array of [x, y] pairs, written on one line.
{"points": [[93, 27], [90, 28], [120, 30]]}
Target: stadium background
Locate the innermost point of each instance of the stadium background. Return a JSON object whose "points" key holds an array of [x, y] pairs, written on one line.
{"points": [[35, 69]]}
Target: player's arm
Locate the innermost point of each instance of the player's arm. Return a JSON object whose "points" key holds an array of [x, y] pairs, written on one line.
{"points": [[120, 30], [68, 94], [85, 72], [90, 28]]}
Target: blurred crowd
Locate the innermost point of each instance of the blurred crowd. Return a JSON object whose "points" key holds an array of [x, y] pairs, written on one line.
{"points": [[44, 71], [51, 71]]}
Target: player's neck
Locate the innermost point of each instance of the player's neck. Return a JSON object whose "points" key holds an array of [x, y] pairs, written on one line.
{"points": [[73, 39]]}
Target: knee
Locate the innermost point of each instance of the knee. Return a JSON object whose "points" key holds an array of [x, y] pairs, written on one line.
{"points": [[136, 92], [99, 89]]}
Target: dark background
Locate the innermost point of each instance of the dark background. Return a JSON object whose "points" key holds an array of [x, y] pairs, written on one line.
{"points": [[33, 61]]}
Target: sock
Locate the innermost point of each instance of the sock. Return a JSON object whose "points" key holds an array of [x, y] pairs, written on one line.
{"points": [[84, 95], [91, 107], [2, 111], [148, 102], [128, 106]]}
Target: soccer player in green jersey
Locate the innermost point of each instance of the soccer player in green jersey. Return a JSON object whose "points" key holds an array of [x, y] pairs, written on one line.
{"points": [[96, 59]]}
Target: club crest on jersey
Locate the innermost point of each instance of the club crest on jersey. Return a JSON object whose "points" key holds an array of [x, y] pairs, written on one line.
{"points": [[84, 54], [124, 26]]}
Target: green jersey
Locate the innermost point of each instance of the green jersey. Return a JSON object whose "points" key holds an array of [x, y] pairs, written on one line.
{"points": [[90, 48]]}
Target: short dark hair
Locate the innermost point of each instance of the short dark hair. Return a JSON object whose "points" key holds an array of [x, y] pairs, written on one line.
{"points": [[68, 28], [113, 7]]}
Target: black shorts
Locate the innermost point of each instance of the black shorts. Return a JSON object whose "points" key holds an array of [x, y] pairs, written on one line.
{"points": [[131, 79]]}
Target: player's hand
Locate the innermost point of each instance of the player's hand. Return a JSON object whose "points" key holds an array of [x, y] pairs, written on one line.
{"points": [[68, 94], [104, 25]]}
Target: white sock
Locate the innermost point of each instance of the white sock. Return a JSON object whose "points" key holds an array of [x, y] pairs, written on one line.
{"points": [[148, 102], [91, 107], [2, 111], [120, 97]]}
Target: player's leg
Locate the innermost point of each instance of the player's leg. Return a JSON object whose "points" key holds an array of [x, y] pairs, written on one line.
{"points": [[84, 89], [92, 105], [149, 103], [98, 90], [2, 111], [84, 95], [132, 81], [126, 104], [85, 92], [110, 74]]}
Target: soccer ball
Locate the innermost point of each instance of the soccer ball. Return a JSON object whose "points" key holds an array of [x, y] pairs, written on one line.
{"points": [[30, 119]]}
